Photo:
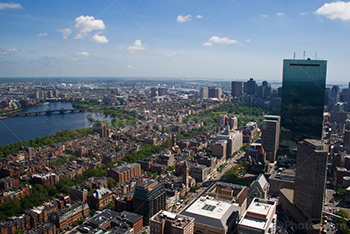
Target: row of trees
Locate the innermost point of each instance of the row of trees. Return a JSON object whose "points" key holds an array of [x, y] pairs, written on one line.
{"points": [[61, 136], [146, 151], [244, 112]]}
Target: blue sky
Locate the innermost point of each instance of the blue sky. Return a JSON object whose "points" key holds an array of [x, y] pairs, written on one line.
{"points": [[221, 39]]}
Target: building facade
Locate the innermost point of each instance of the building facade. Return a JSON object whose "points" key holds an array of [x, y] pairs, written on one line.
{"points": [[149, 198], [271, 136], [302, 101], [236, 88], [310, 178]]}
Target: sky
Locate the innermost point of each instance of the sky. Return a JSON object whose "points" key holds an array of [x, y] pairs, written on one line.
{"points": [[189, 39]]}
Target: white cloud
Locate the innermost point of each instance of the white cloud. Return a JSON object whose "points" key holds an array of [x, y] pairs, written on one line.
{"points": [[219, 40], [129, 66], [9, 51], [99, 38], [264, 15], [222, 40], [183, 19], [280, 14], [137, 46], [87, 24], [42, 34], [303, 13], [74, 59], [5, 6], [248, 40], [84, 27], [65, 32], [335, 10], [199, 16], [207, 44], [171, 54], [84, 53]]}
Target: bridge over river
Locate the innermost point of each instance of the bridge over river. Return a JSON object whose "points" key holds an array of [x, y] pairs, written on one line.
{"points": [[44, 112]]}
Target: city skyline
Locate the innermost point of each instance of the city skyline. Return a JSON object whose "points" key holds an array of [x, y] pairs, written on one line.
{"points": [[227, 40]]}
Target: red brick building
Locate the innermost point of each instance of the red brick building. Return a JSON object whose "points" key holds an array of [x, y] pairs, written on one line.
{"points": [[68, 216], [124, 173]]}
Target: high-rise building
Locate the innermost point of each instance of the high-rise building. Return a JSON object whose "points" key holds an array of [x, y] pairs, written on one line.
{"points": [[149, 198], [154, 92], [204, 93], [271, 136], [40, 95], [310, 178], [214, 92], [265, 90], [250, 87], [100, 128], [302, 101], [162, 91], [346, 143], [236, 88]]}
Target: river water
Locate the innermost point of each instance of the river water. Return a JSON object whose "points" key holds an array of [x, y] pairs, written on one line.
{"points": [[16, 129]]}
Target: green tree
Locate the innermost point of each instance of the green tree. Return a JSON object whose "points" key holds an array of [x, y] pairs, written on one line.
{"points": [[343, 227], [342, 213]]}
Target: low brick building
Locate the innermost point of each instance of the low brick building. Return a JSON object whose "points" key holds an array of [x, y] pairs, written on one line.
{"points": [[100, 198], [68, 216]]}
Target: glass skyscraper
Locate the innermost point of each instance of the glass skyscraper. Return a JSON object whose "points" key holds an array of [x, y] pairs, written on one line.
{"points": [[303, 94]]}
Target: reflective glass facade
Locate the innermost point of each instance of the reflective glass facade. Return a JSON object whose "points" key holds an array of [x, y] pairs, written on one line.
{"points": [[303, 92]]}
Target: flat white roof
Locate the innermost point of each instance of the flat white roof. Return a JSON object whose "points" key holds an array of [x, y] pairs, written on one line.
{"points": [[258, 214], [211, 208]]}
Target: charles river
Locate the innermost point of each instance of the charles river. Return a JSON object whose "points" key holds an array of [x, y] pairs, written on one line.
{"points": [[16, 129]]}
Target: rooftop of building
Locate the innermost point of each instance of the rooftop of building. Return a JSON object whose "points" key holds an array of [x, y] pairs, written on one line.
{"points": [[147, 184], [271, 117], [314, 144], [176, 220], [283, 174], [124, 168], [259, 213], [99, 193], [210, 211], [215, 191]]}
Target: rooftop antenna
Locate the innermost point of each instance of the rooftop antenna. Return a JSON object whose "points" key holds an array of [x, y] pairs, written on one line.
{"points": [[304, 55], [294, 56]]}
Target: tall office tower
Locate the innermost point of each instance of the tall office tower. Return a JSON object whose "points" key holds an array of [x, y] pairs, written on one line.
{"points": [[346, 143], [335, 93], [204, 93], [40, 95], [348, 99], [310, 178], [236, 88], [214, 92], [302, 101], [153, 92], [265, 90], [250, 87], [100, 128], [149, 198], [55, 93], [271, 136], [162, 91]]}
